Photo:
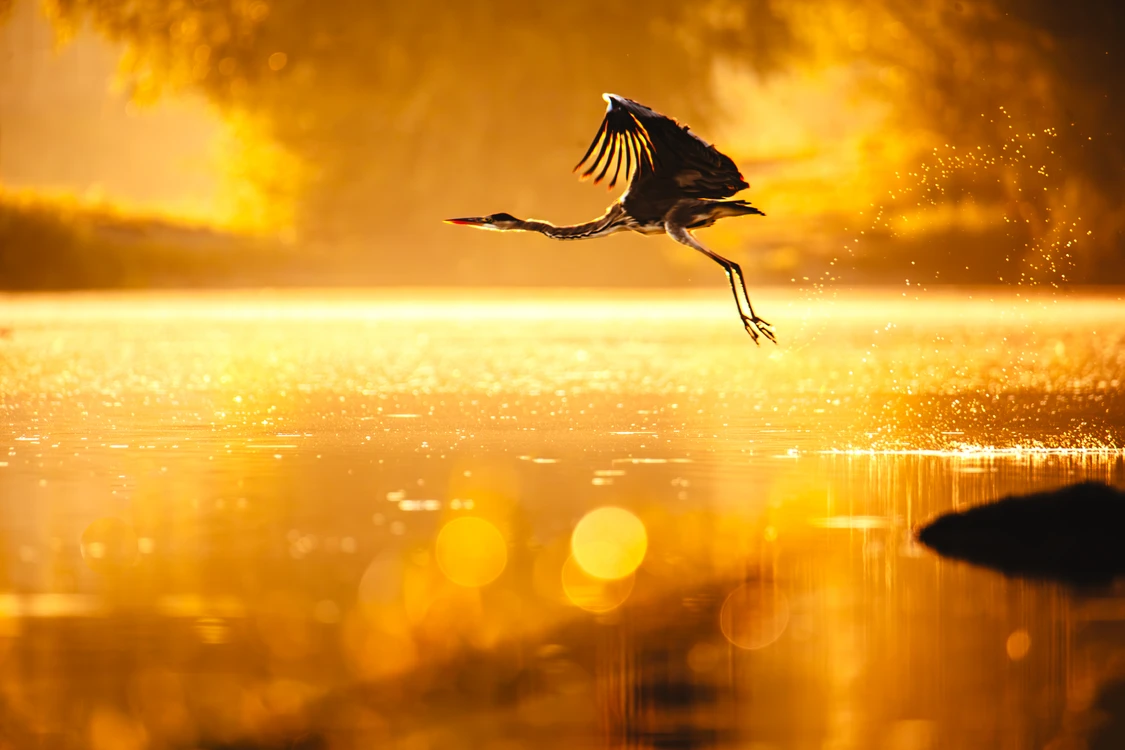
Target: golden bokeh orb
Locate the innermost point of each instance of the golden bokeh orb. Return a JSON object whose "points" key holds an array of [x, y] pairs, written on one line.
{"points": [[705, 657], [471, 551], [609, 543], [591, 593], [109, 545], [754, 615], [382, 581], [1018, 644]]}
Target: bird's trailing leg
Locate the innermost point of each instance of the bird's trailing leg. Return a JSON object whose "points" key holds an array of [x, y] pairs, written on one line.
{"points": [[762, 325], [751, 322], [754, 325]]}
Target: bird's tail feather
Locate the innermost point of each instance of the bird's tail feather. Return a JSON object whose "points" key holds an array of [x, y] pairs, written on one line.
{"points": [[743, 207]]}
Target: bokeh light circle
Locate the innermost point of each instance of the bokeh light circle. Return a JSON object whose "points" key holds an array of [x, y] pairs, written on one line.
{"points": [[705, 657], [471, 551], [382, 580], [609, 543], [1018, 644], [754, 615], [591, 593], [109, 545]]}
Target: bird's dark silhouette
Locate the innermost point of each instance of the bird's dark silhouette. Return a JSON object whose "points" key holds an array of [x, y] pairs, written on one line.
{"points": [[677, 182]]}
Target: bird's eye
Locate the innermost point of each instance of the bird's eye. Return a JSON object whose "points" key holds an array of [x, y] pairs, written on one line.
{"points": [[488, 220]]}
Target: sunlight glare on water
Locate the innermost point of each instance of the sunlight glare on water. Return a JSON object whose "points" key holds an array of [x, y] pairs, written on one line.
{"points": [[578, 520]]}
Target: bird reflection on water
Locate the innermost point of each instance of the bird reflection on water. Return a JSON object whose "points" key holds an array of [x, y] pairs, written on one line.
{"points": [[246, 523]]}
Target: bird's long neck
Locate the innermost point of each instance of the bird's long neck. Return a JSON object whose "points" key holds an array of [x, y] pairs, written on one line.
{"points": [[599, 227]]}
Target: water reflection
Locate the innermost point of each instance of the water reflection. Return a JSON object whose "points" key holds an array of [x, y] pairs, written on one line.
{"points": [[781, 629], [319, 570], [754, 615]]}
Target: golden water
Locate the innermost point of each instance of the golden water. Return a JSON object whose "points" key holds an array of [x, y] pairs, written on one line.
{"points": [[430, 520]]}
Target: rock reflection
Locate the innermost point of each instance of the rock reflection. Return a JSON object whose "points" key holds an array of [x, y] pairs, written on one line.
{"points": [[1109, 718]]}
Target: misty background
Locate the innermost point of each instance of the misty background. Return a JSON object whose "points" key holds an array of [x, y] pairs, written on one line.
{"points": [[245, 142]]}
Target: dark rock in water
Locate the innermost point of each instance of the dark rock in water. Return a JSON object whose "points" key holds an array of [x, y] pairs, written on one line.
{"points": [[1075, 534]]}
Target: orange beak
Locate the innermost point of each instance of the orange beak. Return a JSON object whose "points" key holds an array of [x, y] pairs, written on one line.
{"points": [[472, 221]]}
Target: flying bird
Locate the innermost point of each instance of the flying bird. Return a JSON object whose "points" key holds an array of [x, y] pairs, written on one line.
{"points": [[676, 181]]}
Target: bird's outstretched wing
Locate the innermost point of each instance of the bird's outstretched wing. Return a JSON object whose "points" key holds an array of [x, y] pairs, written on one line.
{"points": [[653, 147]]}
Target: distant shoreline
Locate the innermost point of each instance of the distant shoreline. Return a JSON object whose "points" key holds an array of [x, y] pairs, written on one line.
{"points": [[59, 247]]}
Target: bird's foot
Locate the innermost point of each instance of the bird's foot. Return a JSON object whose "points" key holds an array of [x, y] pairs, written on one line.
{"points": [[757, 327]]}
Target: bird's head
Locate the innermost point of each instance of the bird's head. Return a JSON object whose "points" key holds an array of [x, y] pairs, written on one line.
{"points": [[499, 221]]}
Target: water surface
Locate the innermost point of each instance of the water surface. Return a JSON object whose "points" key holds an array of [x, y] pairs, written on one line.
{"points": [[325, 520]]}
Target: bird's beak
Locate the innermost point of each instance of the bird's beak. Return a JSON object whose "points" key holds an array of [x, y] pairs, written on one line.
{"points": [[472, 221]]}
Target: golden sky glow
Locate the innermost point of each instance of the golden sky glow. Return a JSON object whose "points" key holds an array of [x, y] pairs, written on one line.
{"points": [[66, 128]]}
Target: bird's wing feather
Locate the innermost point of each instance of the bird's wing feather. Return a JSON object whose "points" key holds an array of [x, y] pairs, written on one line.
{"points": [[657, 148], [620, 136]]}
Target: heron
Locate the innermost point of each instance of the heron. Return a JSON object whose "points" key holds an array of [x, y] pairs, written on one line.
{"points": [[676, 183]]}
